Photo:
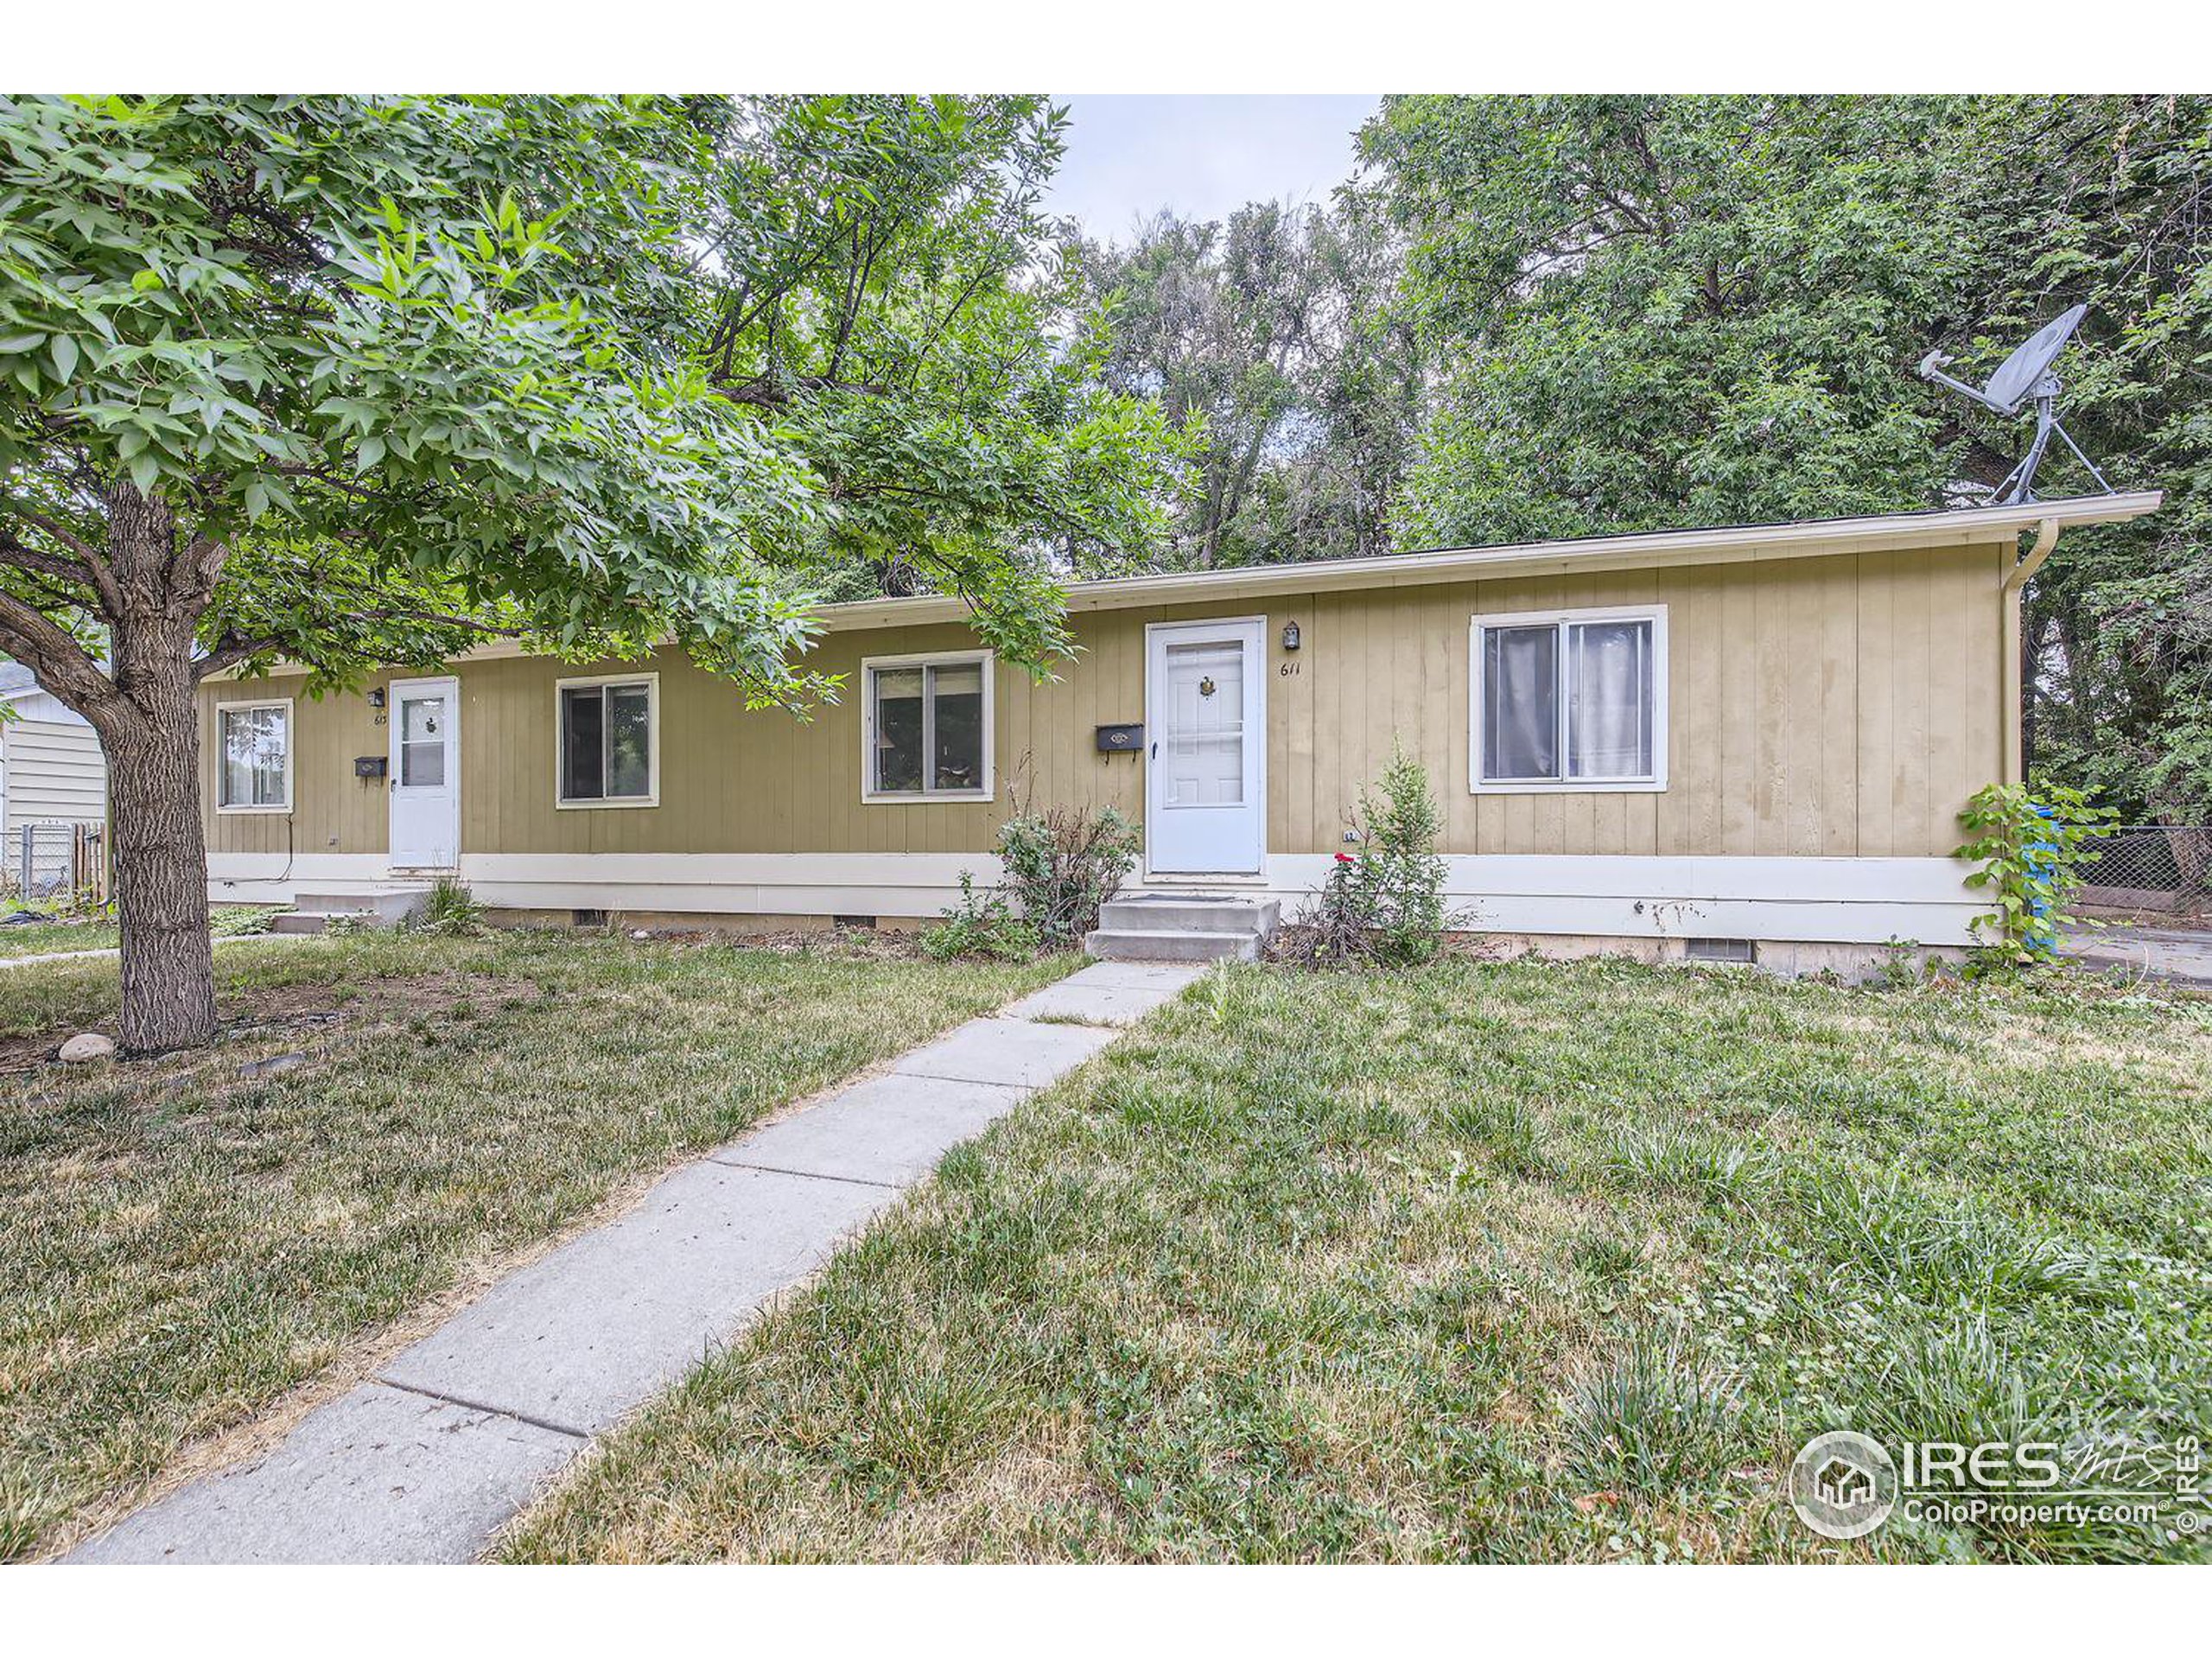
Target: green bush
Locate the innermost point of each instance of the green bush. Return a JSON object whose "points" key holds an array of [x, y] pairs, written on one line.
{"points": [[980, 925], [451, 909], [1384, 904], [1061, 866], [2030, 847]]}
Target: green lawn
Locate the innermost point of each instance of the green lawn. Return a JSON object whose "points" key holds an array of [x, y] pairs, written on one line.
{"points": [[181, 1244], [1484, 1261], [54, 938], [44, 938]]}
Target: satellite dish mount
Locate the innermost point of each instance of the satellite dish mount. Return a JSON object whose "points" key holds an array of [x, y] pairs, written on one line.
{"points": [[2024, 376]]}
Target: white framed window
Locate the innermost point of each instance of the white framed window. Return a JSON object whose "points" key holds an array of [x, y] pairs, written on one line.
{"points": [[253, 749], [609, 740], [925, 727], [1568, 700]]}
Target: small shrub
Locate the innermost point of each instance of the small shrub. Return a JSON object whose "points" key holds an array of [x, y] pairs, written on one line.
{"points": [[241, 921], [1647, 1417], [2030, 848], [1062, 866], [980, 923], [1385, 904], [1507, 1127], [451, 910], [1669, 1158]]}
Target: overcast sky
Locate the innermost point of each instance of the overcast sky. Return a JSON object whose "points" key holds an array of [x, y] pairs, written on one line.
{"points": [[1129, 155]]}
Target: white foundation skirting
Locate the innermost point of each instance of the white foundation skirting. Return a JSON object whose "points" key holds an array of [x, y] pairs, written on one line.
{"points": [[1842, 900]]}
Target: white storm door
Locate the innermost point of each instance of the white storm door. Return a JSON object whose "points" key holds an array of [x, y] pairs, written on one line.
{"points": [[425, 719], [1206, 715]]}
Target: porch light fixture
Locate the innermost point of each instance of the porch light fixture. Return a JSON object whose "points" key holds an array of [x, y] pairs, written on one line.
{"points": [[1290, 636], [376, 698]]}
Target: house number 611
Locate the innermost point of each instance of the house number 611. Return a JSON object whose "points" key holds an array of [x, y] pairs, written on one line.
{"points": [[1288, 671]]}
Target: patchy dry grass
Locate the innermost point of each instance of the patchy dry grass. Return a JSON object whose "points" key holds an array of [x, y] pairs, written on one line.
{"points": [[181, 1243], [1510, 1261]]}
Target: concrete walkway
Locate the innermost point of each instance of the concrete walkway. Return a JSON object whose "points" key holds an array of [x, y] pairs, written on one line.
{"points": [[427, 1460]]}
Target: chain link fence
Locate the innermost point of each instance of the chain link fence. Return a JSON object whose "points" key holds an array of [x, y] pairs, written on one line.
{"points": [[2161, 868], [56, 860]]}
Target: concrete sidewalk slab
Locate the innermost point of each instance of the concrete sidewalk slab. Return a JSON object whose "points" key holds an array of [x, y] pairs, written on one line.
{"points": [[1013, 1053], [1169, 976], [576, 1340], [891, 1131], [1095, 1004], [380, 1475]]}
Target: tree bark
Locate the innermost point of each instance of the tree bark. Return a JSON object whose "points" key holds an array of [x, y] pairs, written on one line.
{"points": [[160, 876], [151, 734]]}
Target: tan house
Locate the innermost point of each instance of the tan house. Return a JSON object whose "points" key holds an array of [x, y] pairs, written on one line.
{"points": [[1731, 741]]}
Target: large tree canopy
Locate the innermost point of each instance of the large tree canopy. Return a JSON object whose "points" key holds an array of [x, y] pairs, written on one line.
{"points": [[1270, 338], [1675, 311], [356, 382]]}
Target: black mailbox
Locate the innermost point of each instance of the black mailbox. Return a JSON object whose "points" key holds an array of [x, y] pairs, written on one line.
{"points": [[370, 765], [1121, 739]]}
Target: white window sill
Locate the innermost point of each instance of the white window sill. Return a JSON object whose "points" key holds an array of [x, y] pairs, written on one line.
{"points": [[1575, 787], [929, 797], [608, 806], [252, 812]]}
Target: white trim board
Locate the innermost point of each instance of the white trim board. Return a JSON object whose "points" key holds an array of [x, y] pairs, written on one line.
{"points": [[1841, 901]]}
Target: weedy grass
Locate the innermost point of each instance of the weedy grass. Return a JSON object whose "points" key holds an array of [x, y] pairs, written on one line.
{"points": [[1473, 1261], [180, 1242]]}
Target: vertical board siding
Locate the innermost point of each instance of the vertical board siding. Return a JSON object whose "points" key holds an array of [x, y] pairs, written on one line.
{"points": [[1840, 706]]}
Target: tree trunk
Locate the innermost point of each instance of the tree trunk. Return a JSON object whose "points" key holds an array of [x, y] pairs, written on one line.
{"points": [[151, 734], [161, 873]]}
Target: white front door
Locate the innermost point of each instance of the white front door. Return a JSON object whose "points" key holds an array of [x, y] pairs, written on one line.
{"points": [[1206, 701], [425, 719]]}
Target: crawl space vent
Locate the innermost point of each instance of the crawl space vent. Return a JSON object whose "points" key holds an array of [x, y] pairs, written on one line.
{"points": [[1717, 950]]}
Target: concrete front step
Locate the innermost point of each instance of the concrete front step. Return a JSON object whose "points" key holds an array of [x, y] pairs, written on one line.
{"points": [[1145, 945], [1200, 913], [385, 907]]}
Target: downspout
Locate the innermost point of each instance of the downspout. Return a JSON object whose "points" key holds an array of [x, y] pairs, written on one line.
{"points": [[2014, 678]]}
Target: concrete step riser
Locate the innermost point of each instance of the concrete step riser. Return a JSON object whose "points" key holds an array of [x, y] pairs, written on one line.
{"points": [[379, 909], [1151, 916], [297, 923], [1111, 945]]}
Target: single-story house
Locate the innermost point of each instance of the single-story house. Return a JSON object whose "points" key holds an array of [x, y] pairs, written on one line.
{"points": [[1727, 741], [52, 773]]}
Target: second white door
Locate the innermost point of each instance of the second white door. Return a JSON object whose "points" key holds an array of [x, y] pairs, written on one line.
{"points": [[1204, 716], [425, 767]]}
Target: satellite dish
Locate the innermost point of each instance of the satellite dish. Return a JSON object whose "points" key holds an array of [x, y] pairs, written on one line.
{"points": [[2026, 374]]}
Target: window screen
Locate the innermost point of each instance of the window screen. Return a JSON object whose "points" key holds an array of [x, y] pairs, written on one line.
{"points": [[607, 752], [255, 743], [926, 728], [1569, 701]]}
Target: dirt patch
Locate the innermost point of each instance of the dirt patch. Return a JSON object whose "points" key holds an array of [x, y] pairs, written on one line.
{"points": [[306, 1009]]}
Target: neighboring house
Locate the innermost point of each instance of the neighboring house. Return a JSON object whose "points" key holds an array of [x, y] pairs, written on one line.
{"points": [[51, 771], [1762, 734]]}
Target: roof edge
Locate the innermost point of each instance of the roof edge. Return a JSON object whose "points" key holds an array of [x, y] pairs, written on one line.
{"points": [[1803, 538], [1639, 549]]}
